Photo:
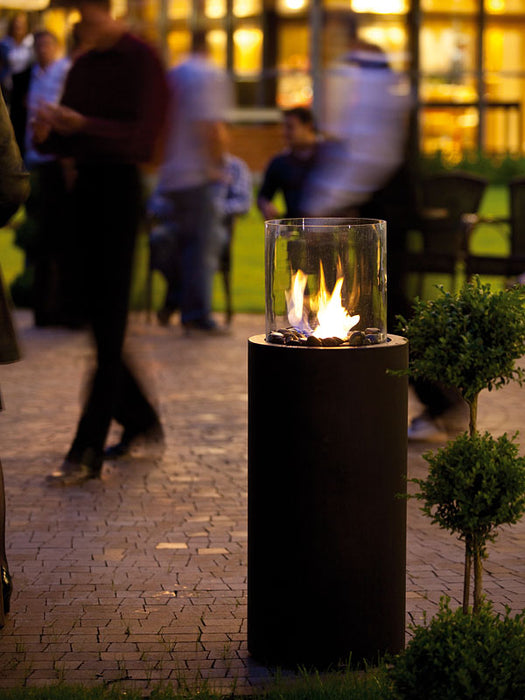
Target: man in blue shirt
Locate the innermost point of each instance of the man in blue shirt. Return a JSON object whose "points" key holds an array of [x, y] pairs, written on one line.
{"points": [[287, 172]]}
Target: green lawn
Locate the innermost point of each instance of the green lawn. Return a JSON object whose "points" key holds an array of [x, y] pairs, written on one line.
{"points": [[248, 258]]}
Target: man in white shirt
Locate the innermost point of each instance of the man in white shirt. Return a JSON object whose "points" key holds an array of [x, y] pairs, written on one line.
{"points": [[364, 119]]}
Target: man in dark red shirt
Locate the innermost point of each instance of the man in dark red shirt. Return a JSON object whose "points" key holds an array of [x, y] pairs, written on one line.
{"points": [[110, 118]]}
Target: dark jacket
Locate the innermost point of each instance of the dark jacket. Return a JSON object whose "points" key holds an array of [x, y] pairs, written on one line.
{"points": [[14, 190], [14, 180]]}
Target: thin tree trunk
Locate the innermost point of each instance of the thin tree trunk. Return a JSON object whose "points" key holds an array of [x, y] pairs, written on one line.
{"points": [[466, 579], [473, 418], [478, 579]]}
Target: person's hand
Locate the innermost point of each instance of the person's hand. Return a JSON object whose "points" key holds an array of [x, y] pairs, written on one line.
{"points": [[41, 124], [269, 210], [67, 121], [40, 130]]}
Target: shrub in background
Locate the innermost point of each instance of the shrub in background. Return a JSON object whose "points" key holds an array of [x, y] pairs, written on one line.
{"points": [[459, 656], [498, 169], [475, 484], [469, 341]]}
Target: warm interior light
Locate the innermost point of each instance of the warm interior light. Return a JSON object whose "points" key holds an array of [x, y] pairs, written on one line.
{"points": [[216, 40], [179, 43], [323, 314], [382, 7], [214, 9], [247, 8], [248, 47], [285, 6], [178, 9], [496, 6]]}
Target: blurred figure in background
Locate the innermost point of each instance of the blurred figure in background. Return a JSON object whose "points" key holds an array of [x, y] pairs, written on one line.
{"points": [[109, 120], [288, 171], [16, 58], [364, 119], [46, 204], [231, 196], [362, 170], [200, 99], [50, 242], [14, 190]]}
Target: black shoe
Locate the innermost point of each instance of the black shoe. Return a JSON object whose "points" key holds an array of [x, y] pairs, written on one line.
{"points": [[75, 470], [7, 588], [6, 584], [152, 437]]}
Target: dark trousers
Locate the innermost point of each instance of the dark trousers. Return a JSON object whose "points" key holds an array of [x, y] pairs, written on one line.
{"points": [[107, 206], [191, 286], [49, 206]]}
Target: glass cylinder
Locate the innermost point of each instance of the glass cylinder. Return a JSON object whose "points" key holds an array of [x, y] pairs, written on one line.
{"points": [[325, 281]]}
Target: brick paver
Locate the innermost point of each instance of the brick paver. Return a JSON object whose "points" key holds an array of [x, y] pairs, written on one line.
{"points": [[140, 577]]}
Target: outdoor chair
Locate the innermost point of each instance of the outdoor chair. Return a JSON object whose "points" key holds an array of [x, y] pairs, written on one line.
{"points": [[445, 203], [513, 264]]}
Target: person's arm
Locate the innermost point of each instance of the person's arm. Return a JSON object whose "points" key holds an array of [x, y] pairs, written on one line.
{"points": [[133, 139], [267, 192], [240, 189], [14, 180]]}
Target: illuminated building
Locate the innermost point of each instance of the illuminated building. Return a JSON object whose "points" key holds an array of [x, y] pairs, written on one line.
{"points": [[465, 58]]}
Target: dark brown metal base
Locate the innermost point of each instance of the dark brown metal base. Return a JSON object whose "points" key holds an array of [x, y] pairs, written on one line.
{"points": [[327, 450]]}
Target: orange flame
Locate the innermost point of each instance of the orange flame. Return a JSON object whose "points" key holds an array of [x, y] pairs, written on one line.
{"points": [[331, 319]]}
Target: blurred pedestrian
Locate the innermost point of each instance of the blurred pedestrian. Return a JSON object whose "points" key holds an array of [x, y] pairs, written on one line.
{"points": [[46, 205], [16, 58], [110, 117], [232, 195], [14, 190], [362, 168], [201, 97], [287, 172], [364, 119]]}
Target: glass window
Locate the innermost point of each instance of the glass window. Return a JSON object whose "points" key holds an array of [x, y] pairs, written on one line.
{"points": [[291, 7], [246, 8], [448, 61], [382, 7], [216, 40], [392, 37], [179, 9], [456, 7], [215, 9], [499, 7], [247, 50], [294, 84], [179, 44], [503, 53]]}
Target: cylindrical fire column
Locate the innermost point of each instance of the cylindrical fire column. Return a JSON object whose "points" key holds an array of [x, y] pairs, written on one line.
{"points": [[327, 442], [326, 529]]}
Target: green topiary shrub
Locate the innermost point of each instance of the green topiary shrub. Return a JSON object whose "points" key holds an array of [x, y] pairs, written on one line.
{"points": [[459, 656], [469, 341], [474, 485]]}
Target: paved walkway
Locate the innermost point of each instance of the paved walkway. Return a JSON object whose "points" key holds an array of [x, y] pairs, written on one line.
{"points": [[140, 577]]}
